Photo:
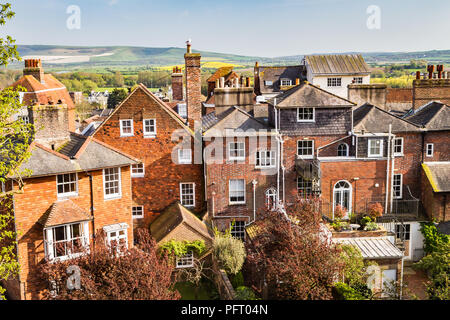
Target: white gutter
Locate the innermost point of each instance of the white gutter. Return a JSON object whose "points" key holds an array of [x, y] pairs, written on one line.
{"points": [[387, 171], [254, 182]]}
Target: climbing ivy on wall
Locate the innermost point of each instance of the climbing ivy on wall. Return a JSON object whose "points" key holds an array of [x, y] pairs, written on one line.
{"points": [[180, 248]]}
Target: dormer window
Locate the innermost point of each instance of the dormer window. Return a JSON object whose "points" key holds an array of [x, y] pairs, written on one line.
{"points": [[305, 115], [375, 148], [285, 82]]}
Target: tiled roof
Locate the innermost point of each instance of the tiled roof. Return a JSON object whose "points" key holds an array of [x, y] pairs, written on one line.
{"points": [[373, 119], [221, 72], [433, 115], [173, 217], [211, 119], [80, 153], [337, 64], [373, 248], [235, 119], [308, 95], [274, 74], [438, 174], [48, 92], [63, 212]]}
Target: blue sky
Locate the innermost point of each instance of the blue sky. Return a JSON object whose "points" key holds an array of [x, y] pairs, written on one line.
{"points": [[248, 27]]}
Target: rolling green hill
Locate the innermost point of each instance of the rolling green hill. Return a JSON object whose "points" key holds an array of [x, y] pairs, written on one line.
{"points": [[71, 57]]}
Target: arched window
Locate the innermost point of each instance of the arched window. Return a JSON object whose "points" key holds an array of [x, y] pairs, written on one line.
{"points": [[342, 196], [342, 150], [271, 198]]}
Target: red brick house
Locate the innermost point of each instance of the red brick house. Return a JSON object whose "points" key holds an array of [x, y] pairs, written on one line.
{"points": [[78, 186]]}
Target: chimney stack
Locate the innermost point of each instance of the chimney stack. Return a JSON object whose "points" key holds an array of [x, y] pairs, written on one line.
{"points": [[297, 81], [177, 84], [33, 67], [440, 68], [418, 75], [193, 85], [430, 70], [247, 82]]}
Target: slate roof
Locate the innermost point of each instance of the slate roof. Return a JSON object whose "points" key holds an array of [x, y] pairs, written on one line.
{"points": [[433, 116], [274, 74], [80, 153], [373, 248], [373, 119], [173, 217], [335, 64], [444, 227], [210, 119], [234, 119], [438, 174], [63, 212], [308, 95]]}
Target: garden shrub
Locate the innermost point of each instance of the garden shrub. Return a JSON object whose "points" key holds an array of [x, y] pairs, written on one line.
{"points": [[344, 292], [245, 293], [237, 280], [229, 253], [433, 239]]}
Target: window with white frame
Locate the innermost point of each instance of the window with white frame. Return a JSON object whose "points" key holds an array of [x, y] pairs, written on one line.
{"points": [[305, 115], [182, 110], [265, 159], [117, 236], [126, 128], [118, 239], [186, 261], [238, 230], [149, 127], [285, 82], [342, 150], [304, 187], [25, 119], [375, 147], [67, 185], [138, 212], [187, 194], [430, 149], [184, 156], [111, 183], [334, 82], [398, 146], [66, 241], [236, 151], [403, 231], [137, 170], [305, 148], [397, 186], [237, 191], [358, 80], [268, 82]]}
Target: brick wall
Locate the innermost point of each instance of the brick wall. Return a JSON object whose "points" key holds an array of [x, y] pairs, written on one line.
{"points": [[218, 176], [441, 141], [160, 186], [426, 90], [436, 205], [39, 194]]}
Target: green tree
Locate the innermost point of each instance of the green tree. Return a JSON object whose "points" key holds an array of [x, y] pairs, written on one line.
{"points": [[229, 252], [15, 137], [116, 97], [118, 79]]}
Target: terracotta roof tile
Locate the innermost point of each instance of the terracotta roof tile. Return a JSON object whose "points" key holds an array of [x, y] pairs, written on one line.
{"points": [[63, 212]]}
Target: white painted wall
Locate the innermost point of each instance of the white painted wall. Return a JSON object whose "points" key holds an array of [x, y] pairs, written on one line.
{"points": [[342, 91]]}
